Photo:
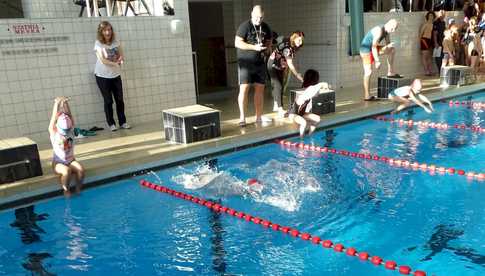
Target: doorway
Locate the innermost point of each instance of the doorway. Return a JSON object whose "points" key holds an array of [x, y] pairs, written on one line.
{"points": [[208, 47]]}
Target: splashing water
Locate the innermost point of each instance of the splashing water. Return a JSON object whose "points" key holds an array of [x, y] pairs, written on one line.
{"points": [[156, 176], [285, 185]]}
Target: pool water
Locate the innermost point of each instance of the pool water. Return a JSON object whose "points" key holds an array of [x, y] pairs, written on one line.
{"points": [[434, 223]]}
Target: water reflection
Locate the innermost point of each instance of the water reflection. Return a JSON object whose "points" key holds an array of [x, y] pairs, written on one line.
{"points": [[75, 243], [440, 240], [217, 243], [34, 264], [26, 221]]}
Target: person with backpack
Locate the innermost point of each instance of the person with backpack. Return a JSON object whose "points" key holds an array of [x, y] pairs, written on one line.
{"points": [[280, 64]]}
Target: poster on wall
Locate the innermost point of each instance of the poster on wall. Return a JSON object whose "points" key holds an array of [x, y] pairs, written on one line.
{"points": [[29, 39]]}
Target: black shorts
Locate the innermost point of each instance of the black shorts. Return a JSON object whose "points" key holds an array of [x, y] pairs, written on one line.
{"points": [[250, 73]]}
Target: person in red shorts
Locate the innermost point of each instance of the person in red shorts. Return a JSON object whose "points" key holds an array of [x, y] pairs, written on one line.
{"points": [[371, 49], [426, 43]]}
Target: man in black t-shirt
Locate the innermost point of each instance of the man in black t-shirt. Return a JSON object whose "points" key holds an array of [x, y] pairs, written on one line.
{"points": [[253, 38], [439, 27]]}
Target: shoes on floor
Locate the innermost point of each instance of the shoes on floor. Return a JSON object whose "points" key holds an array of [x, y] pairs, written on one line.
{"points": [[125, 126], [264, 119], [372, 98], [113, 127]]}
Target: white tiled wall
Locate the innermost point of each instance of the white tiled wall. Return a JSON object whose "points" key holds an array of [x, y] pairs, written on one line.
{"points": [[157, 73], [316, 19]]}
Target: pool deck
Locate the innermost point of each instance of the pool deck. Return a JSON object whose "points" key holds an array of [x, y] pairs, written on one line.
{"points": [[110, 155]]}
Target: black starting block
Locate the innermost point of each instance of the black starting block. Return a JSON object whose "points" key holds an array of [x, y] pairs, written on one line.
{"points": [[386, 84]]}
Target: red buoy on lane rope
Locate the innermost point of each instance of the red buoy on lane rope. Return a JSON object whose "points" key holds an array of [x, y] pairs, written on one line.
{"points": [[404, 269], [216, 207], [351, 251], [376, 260], [327, 243], [266, 223], [305, 236], [390, 265], [285, 229], [364, 256], [338, 247], [431, 169], [434, 125], [316, 240]]}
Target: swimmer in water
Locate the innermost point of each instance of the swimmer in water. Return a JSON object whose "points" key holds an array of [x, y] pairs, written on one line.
{"points": [[219, 183], [254, 186]]}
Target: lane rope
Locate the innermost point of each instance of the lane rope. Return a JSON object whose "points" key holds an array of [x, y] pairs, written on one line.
{"points": [[395, 162], [472, 104], [315, 240], [427, 124]]}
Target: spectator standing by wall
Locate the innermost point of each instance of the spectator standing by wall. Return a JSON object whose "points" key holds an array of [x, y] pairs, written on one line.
{"points": [[426, 43], [108, 74], [439, 27]]}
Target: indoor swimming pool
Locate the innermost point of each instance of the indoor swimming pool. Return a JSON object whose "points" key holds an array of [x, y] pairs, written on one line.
{"points": [[431, 221]]}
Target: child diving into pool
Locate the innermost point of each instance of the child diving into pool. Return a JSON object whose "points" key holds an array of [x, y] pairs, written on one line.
{"points": [[61, 133], [406, 95], [300, 111]]}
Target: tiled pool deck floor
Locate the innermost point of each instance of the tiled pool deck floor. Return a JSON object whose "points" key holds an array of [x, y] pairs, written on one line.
{"points": [[110, 154]]}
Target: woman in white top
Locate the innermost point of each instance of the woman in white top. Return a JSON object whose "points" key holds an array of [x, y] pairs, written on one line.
{"points": [[107, 72], [409, 94]]}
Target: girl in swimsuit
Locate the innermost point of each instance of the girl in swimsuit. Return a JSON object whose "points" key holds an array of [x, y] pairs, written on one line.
{"points": [[61, 132]]}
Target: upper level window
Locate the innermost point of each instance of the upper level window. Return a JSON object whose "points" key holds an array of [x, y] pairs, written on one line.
{"points": [[413, 5]]}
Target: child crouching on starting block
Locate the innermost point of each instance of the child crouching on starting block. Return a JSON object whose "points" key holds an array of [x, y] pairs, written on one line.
{"points": [[406, 95], [300, 111]]}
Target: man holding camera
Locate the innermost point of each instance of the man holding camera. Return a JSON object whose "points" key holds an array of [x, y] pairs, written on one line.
{"points": [[253, 40]]}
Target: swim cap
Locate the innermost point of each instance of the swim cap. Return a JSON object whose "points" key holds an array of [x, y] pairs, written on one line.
{"points": [[252, 181], [63, 124], [254, 185]]}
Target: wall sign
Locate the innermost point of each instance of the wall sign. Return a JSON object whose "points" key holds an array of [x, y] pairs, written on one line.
{"points": [[21, 29]]}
